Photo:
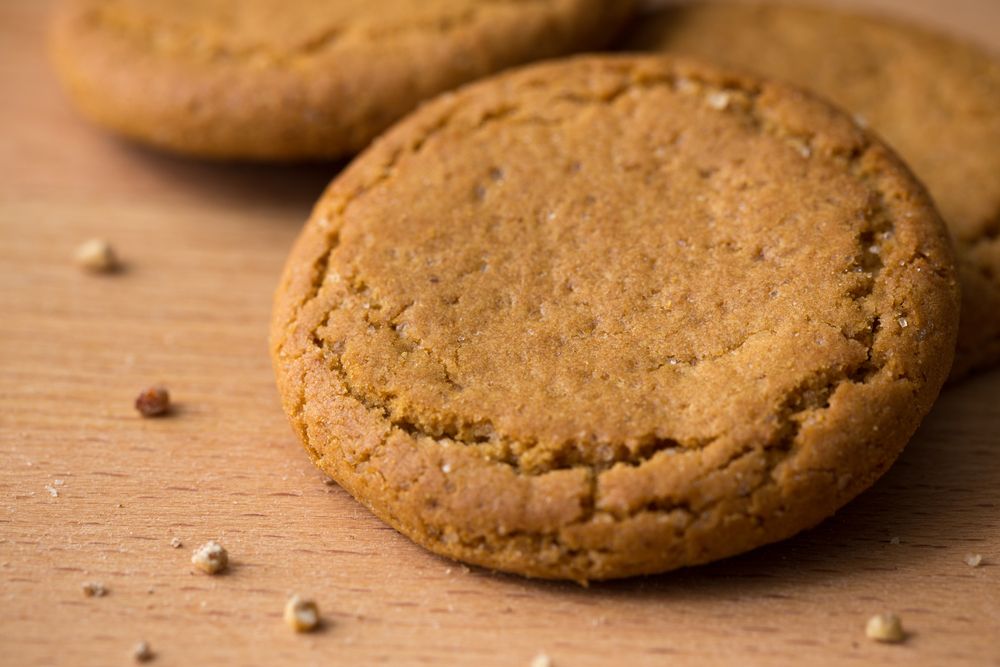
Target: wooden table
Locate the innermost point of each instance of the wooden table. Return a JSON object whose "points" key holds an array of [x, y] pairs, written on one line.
{"points": [[89, 491]]}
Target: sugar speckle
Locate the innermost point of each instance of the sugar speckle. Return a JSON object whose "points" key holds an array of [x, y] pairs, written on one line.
{"points": [[718, 100]]}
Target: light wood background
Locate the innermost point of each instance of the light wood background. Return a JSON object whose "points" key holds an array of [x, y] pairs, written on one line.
{"points": [[203, 246]]}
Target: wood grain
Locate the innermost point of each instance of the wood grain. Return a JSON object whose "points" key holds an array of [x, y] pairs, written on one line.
{"points": [[203, 246]]}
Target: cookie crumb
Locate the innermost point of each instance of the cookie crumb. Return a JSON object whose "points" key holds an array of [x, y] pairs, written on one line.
{"points": [[541, 660], [885, 628], [53, 491], [96, 255], [176, 543], [153, 402], [211, 557], [973, 560], [94, 589], [894, 540], [301, 615], [142, 652]]}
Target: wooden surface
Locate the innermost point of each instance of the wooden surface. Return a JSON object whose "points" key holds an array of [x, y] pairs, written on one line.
{"points": [[203, 246]]}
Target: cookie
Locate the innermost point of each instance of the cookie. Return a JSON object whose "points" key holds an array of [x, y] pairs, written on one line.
{"points": [[296, 79], [934, 99], [614, 315]]}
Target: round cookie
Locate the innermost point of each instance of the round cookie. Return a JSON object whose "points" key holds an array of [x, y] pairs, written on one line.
{"points": [[936, 100], [297, 79], [614, 315]]}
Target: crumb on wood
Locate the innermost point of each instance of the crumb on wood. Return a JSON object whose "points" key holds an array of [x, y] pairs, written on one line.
{"points": [[94, 589], [210, 557], [176, 543], [53, 491], [97, 255], [973, 560], [301, 615], [142, 652], [885, 627], [894, 539], [541, 660], [153, 402]]}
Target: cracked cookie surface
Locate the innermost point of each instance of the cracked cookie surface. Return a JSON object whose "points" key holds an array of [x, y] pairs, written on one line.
{"points": [[614, 315], [934, 99], [297, 79]]}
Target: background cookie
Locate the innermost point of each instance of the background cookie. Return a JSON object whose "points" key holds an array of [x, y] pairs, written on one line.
{"points": [[290, 79], [934, 99], [654, 314]]}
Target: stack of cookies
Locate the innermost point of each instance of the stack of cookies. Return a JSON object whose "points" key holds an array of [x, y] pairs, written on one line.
{"points": [[604, 315]]}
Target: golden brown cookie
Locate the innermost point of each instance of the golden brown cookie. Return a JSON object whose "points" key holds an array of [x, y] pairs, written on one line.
{"points": [[615, 315], [295, 79], [935, 99]]}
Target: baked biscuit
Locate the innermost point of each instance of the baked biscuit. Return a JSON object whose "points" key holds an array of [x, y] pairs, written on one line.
{"points": [[935, 99], [297, 79], [615, 315]]}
